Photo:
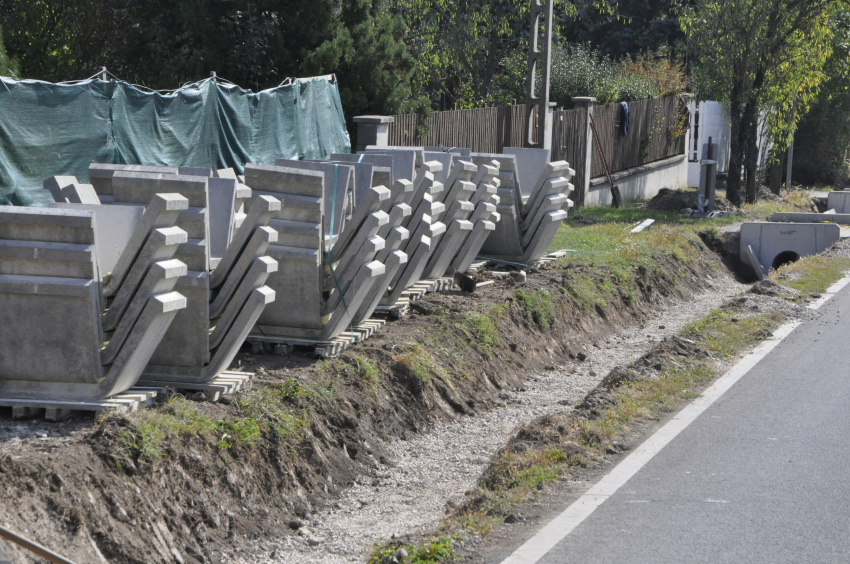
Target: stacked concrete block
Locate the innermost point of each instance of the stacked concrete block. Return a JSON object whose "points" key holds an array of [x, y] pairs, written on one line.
{"points": [[527, 224], [58, 343], [322, 286], [225, 293]]}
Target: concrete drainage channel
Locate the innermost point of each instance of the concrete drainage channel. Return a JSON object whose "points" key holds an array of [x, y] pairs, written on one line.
{"points": [[438, 467]]}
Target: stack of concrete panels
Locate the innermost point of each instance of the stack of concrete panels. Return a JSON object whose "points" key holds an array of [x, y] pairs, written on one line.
{"points": [[326, 277], [528, 224], [226, 293], [470, 210], [224, 302], [58, 344]]}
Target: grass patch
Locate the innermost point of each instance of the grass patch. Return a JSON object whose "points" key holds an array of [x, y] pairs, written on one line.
{"points": [[482, 330], [539, 306], [727, 333], [439, 549], [812, 274], [421, 363], [265, 412], [368, 372]]}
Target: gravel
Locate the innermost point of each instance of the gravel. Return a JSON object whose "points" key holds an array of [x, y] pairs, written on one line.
{"points": [[436, 468]]}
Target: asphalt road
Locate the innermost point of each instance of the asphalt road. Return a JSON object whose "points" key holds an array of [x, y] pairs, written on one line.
{"points": [[761, 476]]}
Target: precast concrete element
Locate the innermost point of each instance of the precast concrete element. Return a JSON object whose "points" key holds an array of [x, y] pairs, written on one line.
{"points": [[206, 333], [114, 227], [53, 343], [162, 211], [409, 276], [457, 151], [222, 199], [338, 193], [445, 159], [139, 188], [775, 244], [448, 246], [804, 217], [528, 224], [317, 301], [377, 160], [404, 161], [100, 176], [529, 163], [838, 201]]}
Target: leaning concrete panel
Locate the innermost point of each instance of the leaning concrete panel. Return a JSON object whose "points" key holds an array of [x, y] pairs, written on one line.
{"points": [[114, 226], [222, 197], [162, 211], [773, 243], [529, 163]]}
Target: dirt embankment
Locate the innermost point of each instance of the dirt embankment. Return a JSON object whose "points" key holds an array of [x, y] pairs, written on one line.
{"points": [[176, 484]]}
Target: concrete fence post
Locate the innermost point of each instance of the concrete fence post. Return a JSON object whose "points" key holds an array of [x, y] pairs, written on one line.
{"points": [[582, 168], [373, 130]]}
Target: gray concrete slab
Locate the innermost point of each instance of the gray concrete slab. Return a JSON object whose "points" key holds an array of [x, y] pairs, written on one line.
{"points": [[404, 162], [392, 263], [100, 174], [802, 217], [222, 198], [55, 184], [161, 278], [161, 245], [339, 175], [162, 211], [530, 164], [262, 209], [445, 159], [114, 226], [257, 246], [471, 246], [255, 277], [775, 243], [447, 247]]}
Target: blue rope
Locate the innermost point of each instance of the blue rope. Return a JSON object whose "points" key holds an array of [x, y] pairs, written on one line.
{"points": [[330, 258]]}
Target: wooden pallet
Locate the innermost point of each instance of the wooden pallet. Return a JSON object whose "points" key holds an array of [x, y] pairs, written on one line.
{"points": [[476, 267], [228, 382], [326, 349], [401, 308], [544, 260], [132, 400]]}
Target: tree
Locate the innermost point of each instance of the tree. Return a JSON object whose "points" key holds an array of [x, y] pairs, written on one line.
{"points": [[470, 52], [759, 55], [367, 53], [7, 66]]}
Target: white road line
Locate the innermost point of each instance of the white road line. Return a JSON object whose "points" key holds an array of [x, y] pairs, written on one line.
{"points": [[554, 532]]}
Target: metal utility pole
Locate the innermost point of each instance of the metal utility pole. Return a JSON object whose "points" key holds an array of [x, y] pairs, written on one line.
{"points": [[539, 61]]}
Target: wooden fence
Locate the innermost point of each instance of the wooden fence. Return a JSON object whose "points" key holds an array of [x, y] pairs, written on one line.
{"points": [[484, 130], [652, 134]]}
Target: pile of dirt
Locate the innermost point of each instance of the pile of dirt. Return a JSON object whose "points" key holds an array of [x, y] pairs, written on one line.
{"points": [[678, 200], [85, 487]]}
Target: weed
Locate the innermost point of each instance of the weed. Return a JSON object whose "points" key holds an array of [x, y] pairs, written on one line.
{"points": [[728, 333], [368, 372], [539, 306], [811, 274], [439, 549], [482, 332], [420, 363]]}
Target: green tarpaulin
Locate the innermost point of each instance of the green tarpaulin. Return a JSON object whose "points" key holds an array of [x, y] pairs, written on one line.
{"points": [[58, 129]]}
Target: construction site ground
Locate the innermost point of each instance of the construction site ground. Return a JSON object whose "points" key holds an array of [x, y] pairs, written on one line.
{"points": [[322, 460]]}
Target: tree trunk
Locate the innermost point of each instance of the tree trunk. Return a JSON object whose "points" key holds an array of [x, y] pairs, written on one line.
{"points": [[752, 152], [733, 181]]}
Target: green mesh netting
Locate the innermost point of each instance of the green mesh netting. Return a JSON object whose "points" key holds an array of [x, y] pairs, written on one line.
{"points": [[58, 129]]}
